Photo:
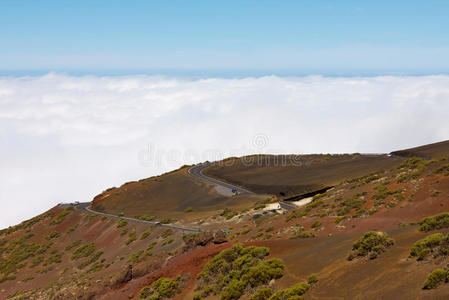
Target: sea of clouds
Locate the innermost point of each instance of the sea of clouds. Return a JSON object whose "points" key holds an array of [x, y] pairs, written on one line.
{"points": [[66, 138]]}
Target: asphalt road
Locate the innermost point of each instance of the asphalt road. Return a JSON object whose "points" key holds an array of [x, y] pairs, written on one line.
{"points": [[197, 171], [84, 207], [287, 206]]}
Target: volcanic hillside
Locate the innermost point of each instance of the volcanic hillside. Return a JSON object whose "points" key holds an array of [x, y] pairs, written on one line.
{"points": [[383, 234]]}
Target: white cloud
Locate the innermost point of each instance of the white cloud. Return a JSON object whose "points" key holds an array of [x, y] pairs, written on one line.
{"points": [[68, 138]]}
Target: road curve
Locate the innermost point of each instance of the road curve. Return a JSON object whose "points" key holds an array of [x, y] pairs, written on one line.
{"points": [[197, 171], [85, 207]]}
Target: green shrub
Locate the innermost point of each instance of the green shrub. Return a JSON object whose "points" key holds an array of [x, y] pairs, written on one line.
{"points": [[371, 243], [188, 209], [340, 219], [434, 222], [262, 294], [136, 256], [435, 243], [53, 235], [73, 228], [228, 214], [435, 278], [313, 278], [166, 221], [83, 251], [442, 170], [59, 218], [131, 237], [316, 224], [234, 270], [91, 259], [122, 223], [167, 242], [162, 288], [145, 234], [294, 292], [269, 229], [167, 233]]}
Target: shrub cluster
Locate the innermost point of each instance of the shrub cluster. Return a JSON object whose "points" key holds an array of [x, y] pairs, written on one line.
{"points": [[435, 278], [163, 288], [61, 216], [436, 243], [122, 223], [228, 214], [414, 166], [371, 244], [355, 202], [442, 170], [434, 222], [234, 270], [83, 251]]}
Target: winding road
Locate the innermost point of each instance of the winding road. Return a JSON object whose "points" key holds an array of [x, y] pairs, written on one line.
{"points": [[85, 208], [196, 171], [222, 187]]}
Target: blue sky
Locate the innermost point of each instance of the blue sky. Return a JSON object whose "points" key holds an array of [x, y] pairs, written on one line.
{"points": [[303, 37]]}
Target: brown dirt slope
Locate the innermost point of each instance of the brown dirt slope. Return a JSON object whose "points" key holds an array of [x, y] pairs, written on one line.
{"points": [[436, 150], [286, 175], [167, 195]]}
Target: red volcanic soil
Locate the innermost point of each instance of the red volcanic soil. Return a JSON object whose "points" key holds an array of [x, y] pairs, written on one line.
{"points": [[190, 263]]}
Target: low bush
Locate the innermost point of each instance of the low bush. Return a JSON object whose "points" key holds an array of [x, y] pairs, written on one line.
{"points": [[91, 259], [83, 251], [53, 235], [167, 242], [436, 243], [294, 292], [166, 233], [122, 223], [435, 278], [145, 234], [444, 169], [262, 294], [228, 214], [59, 218], [131, 237], [188, 209], [163, 288], [313, 278], [316, 225], [370, 244], [235, 270], [434, 222]]}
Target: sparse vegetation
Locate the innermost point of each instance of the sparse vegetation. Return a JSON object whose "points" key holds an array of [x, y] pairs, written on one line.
{"points": [[131, 237], [145, 234], [435, 278], [435, 222], [122, 223], [59, 218], [228, 214], [313, 278], [436, 244], [83, 251], [371, 244], [166, 233], [163, 288], [167, 242], [294, 292], [316, 225], [234, 270], [189, 209]]}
